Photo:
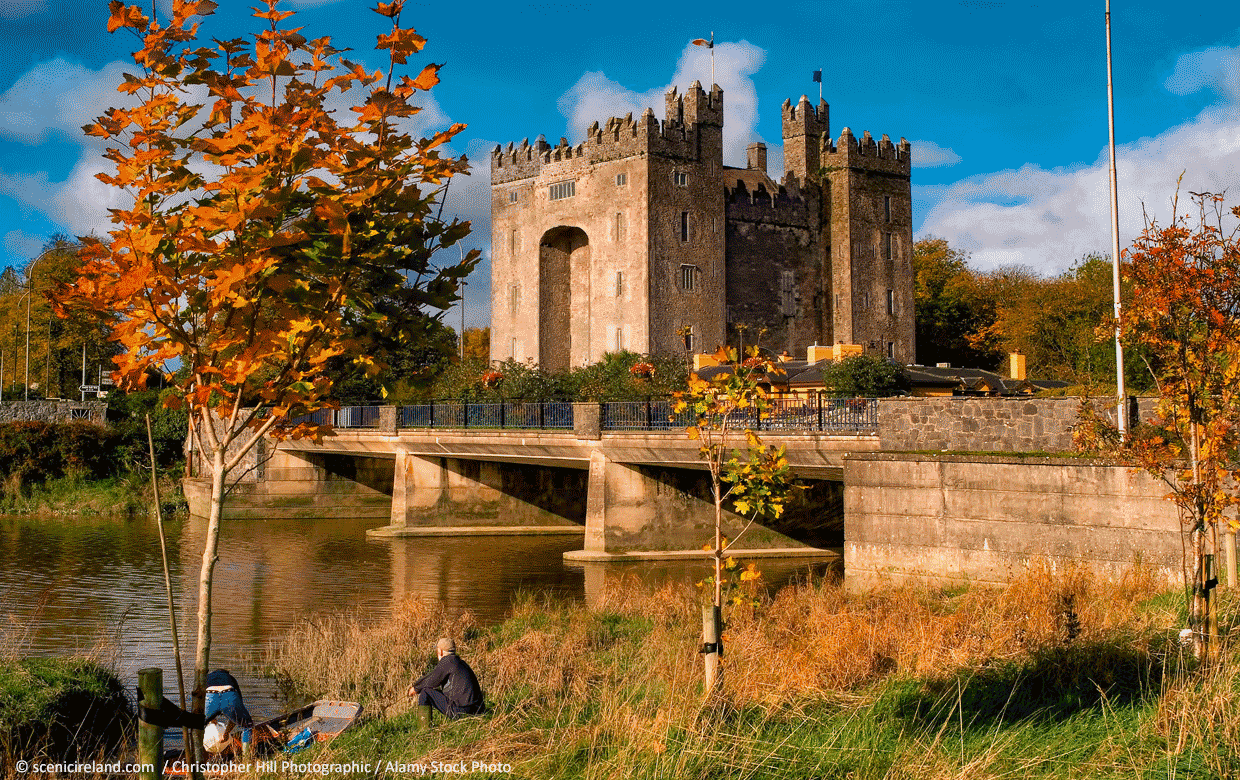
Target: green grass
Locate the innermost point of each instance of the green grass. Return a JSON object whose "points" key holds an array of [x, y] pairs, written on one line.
{"points": [[61, 708], [128, 495], [1058, 676]]}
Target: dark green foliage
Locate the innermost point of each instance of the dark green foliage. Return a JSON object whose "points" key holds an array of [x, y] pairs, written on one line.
{"points": [[864, 376], [36, 451], [610, 379], [169, 427], [65, 709]]}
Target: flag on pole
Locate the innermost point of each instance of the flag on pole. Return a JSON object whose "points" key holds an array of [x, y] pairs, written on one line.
{"points": [[703, 42], [818, 77]]}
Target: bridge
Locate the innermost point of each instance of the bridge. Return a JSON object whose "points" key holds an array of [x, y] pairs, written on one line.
{"points": [[624, 475], [935, 488]]}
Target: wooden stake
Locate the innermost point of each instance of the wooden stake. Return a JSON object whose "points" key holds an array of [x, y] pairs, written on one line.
{"points": [[1229, 541], [172, 612], [150, 736]]}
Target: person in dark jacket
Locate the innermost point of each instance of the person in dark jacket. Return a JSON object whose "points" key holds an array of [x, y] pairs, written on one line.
{"points": [[451, 687]]}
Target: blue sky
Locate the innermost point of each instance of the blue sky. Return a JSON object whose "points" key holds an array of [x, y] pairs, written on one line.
{"points": [[1004, 102]]}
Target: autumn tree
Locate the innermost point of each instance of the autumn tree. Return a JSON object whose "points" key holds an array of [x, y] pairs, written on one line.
{"points": [[751, 478], [951, 307], [478, 343], [1185, 309], [267, 234]]}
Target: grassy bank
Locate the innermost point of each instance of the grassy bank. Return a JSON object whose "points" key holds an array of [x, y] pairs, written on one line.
{"points": [[1057, 676], [128, 495], [64, 709]]}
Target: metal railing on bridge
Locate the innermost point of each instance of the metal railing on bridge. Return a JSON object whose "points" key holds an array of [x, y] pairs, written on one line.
{"points": [[512, 414], [831, 415]]}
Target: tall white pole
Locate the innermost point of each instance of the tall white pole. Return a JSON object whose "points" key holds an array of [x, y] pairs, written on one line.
{"points": [[1121, 413], [27, 395]]}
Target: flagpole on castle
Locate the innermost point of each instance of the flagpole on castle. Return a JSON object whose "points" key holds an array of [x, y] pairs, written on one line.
{"points": [[1121, 409], [710, 45]]}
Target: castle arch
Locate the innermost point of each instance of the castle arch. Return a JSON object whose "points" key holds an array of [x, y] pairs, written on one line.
{"points": [[563, 298]]}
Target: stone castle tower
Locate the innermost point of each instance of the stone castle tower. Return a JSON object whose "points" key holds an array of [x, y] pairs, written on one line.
{"points": [[640, 232]]}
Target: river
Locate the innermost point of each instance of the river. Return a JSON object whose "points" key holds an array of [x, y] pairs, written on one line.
{"points": [[95, 586]]}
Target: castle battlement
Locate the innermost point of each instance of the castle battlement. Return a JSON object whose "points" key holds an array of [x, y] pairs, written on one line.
{"points": [[782, 207], [805, 118], [620, 137], [865, 152]]}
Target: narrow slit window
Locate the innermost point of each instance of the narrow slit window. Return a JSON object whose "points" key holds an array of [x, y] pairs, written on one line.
{"points": [[688, 337], [512, 349], [891, 350], [619, 284], [688, 280], [512, 242], [684, 226], [891, 301], [887, 207], [514, 299], [620, 226], [563, 189], [887, 247]]}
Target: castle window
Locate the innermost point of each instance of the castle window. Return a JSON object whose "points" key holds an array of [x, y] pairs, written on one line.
{"points": [[622, 179], [620, 226], [688, 338], [891, 350], [619, 284], [512, 196], [891, 301], [512, 242], [680, 179], [684, 226], [865, 301], [688, 277], [619, 338], [514, 299], [887, 247], [887, 207], [787, 293], [563, 189], [512, 349]]}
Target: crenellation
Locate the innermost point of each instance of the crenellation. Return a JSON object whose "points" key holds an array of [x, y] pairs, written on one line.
{"points": [[648, 240]]}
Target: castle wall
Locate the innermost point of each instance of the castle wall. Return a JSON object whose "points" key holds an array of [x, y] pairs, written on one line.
{"points": [[776, 258], [664, 242], [863, 173]]}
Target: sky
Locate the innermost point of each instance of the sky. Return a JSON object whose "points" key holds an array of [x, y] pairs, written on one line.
{"points": [[1003, 102]]}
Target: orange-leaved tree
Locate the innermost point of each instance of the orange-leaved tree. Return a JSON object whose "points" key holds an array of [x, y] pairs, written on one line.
{"points": [[1185, 310], [722, 413], [269, 234]]}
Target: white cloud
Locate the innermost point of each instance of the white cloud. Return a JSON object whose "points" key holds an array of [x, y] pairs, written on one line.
{"points": [[1216, 68], [18, 9], [595, 97], [59, 97], [928, 154], [20, 245], [1046, 219]]}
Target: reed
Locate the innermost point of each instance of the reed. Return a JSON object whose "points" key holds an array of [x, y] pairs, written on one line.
{"points": [[1060, 674]]}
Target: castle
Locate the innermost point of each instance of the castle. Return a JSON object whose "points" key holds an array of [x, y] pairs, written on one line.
{"points": [[640, 238]]}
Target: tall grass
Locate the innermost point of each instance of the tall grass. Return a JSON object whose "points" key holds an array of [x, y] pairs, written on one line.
{"points": [[1057, 675]]}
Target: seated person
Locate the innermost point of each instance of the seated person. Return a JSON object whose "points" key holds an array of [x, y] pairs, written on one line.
{"points": [[225, 711], [451, 687]]}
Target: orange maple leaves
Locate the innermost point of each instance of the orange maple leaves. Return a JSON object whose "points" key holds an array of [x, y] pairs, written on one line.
{"points": [[268, 240]]}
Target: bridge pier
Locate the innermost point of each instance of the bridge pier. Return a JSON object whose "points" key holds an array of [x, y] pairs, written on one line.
{"points": [[443, 496], [639, 511]]}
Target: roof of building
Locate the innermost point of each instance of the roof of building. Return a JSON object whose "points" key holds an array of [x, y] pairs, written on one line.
{"points": [[801, 374], [750, 178]]}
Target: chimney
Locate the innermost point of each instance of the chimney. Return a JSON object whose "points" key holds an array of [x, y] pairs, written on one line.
{"points": [[1016, 364], [756, 154]]}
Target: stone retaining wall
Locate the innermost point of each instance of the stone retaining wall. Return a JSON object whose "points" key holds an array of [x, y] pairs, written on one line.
{"points": [[94, 411], [988, 424]]}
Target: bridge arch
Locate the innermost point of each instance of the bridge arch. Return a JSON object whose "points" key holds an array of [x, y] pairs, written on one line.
{"points": [[563, 298]]}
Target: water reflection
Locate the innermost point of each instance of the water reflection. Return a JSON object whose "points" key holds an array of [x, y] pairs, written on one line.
{"points": [[96, 585]]}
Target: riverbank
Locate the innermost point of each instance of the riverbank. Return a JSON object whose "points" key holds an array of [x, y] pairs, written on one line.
{"points": [[63, 709], [127, 495], [1057, 676]]}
